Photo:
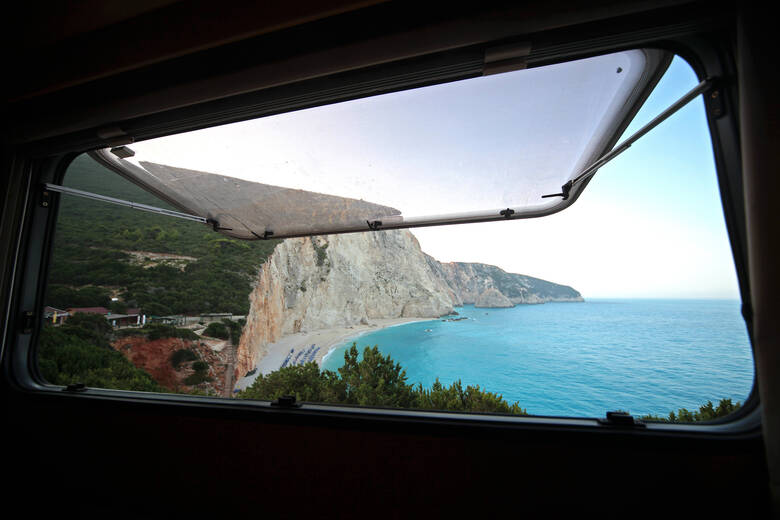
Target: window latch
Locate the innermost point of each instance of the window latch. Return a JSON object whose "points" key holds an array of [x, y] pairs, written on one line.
{"points": [[215, 225], [45, 198], [565, 190], [26, 322], [265, 236], [621, 420], [286, 401]]}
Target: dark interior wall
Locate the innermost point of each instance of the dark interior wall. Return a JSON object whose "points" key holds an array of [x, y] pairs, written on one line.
{"points": [[113, 458], [760, 122], [126, 458], [168, 58]]}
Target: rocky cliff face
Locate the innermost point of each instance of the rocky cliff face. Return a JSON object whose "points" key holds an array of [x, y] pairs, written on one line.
{"points": [[342, 280], [493, 298], [469, 281], [339, 280]]}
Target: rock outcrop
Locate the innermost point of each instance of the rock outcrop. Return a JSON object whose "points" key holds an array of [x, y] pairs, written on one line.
{"points": [[154, 356], [342, 280], [492, 298]]}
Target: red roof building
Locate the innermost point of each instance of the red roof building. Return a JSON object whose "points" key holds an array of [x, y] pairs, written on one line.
{"points": [[88, 310], [54, 315]]}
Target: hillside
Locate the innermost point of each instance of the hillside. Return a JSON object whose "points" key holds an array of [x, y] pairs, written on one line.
{"points": [[118, 250]]}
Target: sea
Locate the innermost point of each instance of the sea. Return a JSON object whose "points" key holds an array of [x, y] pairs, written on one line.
{"points": [[580, 359]]}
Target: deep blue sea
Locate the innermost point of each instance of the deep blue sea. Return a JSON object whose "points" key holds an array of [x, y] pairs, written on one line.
{"points": [[581, 359]]}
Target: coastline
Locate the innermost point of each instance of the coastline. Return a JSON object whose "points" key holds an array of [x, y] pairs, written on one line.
{"points": [[325, 339]]}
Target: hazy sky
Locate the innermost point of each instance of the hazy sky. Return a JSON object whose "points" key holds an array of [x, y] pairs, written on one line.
{"points": [[650, 224]]}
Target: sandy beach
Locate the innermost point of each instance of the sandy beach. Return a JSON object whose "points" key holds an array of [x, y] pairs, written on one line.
{"points": [[324, 340]]}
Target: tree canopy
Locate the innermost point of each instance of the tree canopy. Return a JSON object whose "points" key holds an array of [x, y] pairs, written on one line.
{"points": [[706, 412], [374, 380]]}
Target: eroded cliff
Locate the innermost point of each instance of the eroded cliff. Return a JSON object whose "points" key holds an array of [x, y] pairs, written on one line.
{"points": [[341, 280], [469, 281]]}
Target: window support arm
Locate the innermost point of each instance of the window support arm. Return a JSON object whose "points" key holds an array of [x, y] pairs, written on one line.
{"points": [[591, 170], [125, 203]]}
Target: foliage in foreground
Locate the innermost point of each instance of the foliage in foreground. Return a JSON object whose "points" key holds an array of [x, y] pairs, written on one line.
{"points": [[707, 412], [375, 380], [79, 351], [378, 381]]}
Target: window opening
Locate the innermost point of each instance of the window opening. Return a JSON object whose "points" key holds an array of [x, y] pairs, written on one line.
{"points": [[140, 301]]}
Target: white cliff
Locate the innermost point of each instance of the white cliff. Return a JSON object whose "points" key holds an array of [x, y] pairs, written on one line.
{"points": [[339, 280]]}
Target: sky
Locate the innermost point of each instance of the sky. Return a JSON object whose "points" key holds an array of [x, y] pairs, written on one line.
{"points": [[649, 224]]}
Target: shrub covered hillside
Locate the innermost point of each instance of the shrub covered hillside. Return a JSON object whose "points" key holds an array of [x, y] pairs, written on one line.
{"points": [[80, 352], [154, 358], [161, 264]]}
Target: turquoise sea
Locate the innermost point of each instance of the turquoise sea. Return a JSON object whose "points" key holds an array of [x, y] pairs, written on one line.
{"points": [[581, 359]]}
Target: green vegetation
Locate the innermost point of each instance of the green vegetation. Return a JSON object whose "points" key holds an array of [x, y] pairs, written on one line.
{"points": [[471, 399], [236, 329], [155, 331], [201, 374], [79, 352], [217, 329], [196, 378], [707, 412], [322, 255], [375, 380], [226, 329], [123, 333], [159, 331], [93, 240], [61, 297], [181, 356]]}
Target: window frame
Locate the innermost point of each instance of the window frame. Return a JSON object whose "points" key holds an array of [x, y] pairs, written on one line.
{"points": [[46, 161]]}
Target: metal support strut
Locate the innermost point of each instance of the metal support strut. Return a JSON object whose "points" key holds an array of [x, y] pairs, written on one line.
{"points": [[591, 170], [126, 203]]}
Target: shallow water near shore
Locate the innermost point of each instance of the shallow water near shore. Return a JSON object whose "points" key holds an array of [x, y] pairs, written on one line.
{"points": [[581, 359]]}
